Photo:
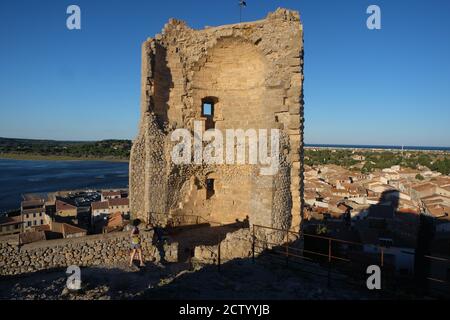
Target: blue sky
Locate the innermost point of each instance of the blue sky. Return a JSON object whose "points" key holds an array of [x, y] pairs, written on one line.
{"points": [[388, 86]]}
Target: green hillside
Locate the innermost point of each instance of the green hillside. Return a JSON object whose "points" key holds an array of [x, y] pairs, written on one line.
{"points": [[52, 149]]}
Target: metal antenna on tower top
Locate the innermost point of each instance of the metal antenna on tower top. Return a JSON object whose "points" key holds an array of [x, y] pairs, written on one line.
{"points": [[242, 4]]}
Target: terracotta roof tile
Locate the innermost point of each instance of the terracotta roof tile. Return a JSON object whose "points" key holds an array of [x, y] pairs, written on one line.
{"points": [[119, 202], [99, 205], [61, 205]]}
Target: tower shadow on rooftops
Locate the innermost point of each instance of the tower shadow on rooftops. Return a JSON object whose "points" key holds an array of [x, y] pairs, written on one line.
{"points": [[399, 240], [406, 236]]}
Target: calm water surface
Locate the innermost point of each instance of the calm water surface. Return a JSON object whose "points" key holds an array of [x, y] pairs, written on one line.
{"points": [[23, 176]]}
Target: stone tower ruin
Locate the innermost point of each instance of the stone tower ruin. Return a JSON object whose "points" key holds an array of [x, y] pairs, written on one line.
{"points": [[250, 76]]}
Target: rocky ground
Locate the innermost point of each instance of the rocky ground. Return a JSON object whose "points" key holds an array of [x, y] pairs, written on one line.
{"points": [[238, 279]]}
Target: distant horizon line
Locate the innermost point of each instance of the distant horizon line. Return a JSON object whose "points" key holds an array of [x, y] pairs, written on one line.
{"points": [[376, 146], [341, 145]]}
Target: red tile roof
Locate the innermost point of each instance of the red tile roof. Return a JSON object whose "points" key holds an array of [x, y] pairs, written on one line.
{"points": [[69, 229], [65, 228], [115, 220], [99, 205], [111, 193], [32, 203], [424, 186], [5, 221], [438, 210], [119, 202], [60, 205], [44, 227]]}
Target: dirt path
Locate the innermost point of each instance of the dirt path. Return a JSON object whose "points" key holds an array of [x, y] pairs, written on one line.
{"points": [[239, 279]]}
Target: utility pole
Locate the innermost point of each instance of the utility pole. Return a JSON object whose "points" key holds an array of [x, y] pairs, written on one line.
{"points": [[242, 4]]}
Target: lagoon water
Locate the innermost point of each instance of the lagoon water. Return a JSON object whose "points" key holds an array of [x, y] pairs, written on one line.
{"points": [[30, 176]]}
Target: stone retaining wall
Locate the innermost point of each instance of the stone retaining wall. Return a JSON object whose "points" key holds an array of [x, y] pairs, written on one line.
{"points": [[107, 249], [236, 245]]}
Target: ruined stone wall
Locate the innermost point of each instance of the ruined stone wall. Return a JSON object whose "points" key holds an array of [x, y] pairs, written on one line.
{"points": [[254, 71], [106, 249], [236, 245]]}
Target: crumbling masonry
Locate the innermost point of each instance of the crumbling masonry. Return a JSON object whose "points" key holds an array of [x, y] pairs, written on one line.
{"points": [[251, 74]]}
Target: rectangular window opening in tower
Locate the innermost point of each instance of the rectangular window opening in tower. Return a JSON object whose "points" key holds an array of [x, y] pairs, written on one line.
{"points": [[209, 188], [208, 113]]}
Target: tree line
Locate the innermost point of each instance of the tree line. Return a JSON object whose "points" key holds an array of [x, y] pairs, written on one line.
{"points": [[371, 160], [119, 149]]}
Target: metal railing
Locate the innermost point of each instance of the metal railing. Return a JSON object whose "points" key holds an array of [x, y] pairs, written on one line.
{"points": [[339, 256]]}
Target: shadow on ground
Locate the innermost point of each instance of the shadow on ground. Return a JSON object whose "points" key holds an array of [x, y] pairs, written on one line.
{"points": [[238, 279]]}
